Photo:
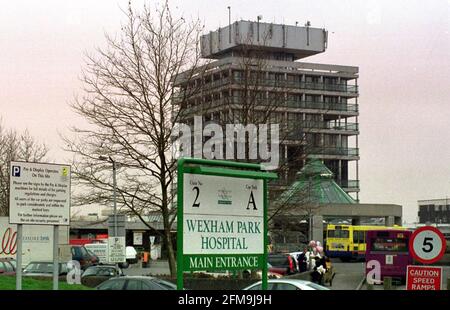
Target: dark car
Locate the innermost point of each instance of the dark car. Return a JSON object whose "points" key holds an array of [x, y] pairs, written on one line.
{"points": [[7, 267], [82, 255], [108, 271], [44, 269], [136, 283], [282, 263]]}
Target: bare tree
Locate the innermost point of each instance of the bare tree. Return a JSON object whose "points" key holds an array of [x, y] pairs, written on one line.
{"points": [[128, 93], [15, 146]]}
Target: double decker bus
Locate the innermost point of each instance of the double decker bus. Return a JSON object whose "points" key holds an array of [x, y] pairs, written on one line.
{"points": [[348, 242], [391, 249]]}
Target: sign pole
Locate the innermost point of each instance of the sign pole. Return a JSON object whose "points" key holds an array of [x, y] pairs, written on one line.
{"points": [[55, 257], [264, 267], [19, 257], [180, 198]]}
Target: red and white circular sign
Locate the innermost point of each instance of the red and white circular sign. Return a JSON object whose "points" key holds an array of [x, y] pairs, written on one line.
{"points": [[427, 244]]}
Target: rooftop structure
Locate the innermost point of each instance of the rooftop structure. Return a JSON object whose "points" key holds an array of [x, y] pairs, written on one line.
{"points": [[299, 42], [436, 211]]}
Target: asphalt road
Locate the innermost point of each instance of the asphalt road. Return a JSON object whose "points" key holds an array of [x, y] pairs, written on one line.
{"points": [[348, 275]]}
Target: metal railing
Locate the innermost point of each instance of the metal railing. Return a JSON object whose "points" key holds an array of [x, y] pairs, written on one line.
{"points": [[353, 89], [337, 151], [328, 125], [275, 103], [348, 184]]}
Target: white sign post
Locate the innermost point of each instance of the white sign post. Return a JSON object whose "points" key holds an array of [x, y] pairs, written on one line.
{"points": [[116, 250], [39, 195]]}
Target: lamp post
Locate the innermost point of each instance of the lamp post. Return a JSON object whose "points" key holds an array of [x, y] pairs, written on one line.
{"points": [[114, 190], [229, 24], [257, 25]]}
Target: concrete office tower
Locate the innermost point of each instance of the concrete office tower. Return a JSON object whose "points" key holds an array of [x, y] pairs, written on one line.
{"points": [[434, 211], [315, 104]]}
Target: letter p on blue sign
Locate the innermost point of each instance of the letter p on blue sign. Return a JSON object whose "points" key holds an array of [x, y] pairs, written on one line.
{"points": [[16, 171]]}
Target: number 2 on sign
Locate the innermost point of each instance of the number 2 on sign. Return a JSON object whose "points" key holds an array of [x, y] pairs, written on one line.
{"points": [[196, 204]]}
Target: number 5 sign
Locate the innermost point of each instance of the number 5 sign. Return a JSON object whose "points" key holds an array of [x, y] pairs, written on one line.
{"points": [[427, 245]]}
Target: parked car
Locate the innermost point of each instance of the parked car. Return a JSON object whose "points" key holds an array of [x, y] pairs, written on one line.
{"points": [[287, 285], [82, 255], [136, 283], [44, 269], [283, 264], [107, 271], [272, 273], [276, 270], [7, 267]]}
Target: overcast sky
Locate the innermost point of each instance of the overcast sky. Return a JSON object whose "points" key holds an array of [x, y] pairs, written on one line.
{"points": [[402, 49]]}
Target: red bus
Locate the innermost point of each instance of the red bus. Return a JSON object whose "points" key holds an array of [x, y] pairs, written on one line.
{"points": [[390, 248]]}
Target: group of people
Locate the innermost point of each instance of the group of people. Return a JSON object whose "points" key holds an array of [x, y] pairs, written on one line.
{"points": [[313, 259]]}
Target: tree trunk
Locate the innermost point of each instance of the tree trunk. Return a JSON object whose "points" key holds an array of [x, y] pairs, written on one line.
{"points": [[166, 219], [170, 253]]}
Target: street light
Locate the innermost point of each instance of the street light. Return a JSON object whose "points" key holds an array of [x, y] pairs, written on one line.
{"points": [[258, 18], [114, 190], [229, 24]]}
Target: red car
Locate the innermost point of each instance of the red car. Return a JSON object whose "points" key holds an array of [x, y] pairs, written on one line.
{"points": [[7, 267], [282, 264]]}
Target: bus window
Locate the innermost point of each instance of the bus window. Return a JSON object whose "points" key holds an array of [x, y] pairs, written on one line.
{"points": [[358, 236], [338, 234], [389, 245]]}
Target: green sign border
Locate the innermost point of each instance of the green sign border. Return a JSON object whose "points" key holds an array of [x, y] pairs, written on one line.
{"points": [[225, 169]]}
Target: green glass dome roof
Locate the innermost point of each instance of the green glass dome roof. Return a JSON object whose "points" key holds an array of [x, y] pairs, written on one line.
{"points": [[314, 184]]}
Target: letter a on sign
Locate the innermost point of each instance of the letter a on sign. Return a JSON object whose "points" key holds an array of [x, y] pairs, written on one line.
{"points": [[251, 201]]}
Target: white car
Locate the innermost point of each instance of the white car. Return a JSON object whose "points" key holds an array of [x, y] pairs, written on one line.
{"points": [[287, 285]]}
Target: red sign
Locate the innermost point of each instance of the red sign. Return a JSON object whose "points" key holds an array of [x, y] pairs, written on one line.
{"points": [[423, 278], [427, 244]]}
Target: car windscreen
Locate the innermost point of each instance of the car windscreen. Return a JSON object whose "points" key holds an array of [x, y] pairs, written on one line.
{"points": [[100, 271], [39, 268], [91, 271]]}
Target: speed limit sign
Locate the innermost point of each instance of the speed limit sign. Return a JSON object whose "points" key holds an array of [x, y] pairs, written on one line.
{"points": [[427, 244]]}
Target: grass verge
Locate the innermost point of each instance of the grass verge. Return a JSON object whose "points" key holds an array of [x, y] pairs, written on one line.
{"points": [[9, 283]]}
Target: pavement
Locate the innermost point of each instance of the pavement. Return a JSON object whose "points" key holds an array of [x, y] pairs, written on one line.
{"points": [[348, 275], [154, 268], [445, 276]]}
